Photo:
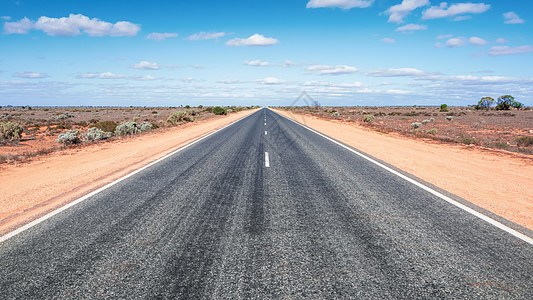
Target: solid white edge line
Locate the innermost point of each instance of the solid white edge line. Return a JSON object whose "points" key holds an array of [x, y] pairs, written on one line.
{"points": [[83, 198], [483, 217], [267, 160]]}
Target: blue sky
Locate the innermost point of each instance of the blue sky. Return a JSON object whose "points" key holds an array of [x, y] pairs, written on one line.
{"points": [[341, 52]]}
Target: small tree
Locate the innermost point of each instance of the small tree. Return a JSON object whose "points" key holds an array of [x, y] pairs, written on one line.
{"points": [[486, 102], [444, 107], [505, 102]]}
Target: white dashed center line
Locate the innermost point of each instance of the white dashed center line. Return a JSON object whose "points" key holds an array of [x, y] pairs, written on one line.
{"points": [[267, 160], [265, 132]]}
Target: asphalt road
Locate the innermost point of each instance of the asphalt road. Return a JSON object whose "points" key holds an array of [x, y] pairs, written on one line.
{"points": [[213, 221]]}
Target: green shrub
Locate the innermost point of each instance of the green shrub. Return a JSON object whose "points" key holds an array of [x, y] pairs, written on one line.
{"points": [[70, 137], [10, 132], [443, 107], [107, 126], [179, 117], [524, 141], [335, 114], [217, 110], [127, 128], [433, 131], [368, 118]]}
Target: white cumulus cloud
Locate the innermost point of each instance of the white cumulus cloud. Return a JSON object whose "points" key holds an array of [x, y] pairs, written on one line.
{"points": [[206, 36], [455, 42], [146, 65], [443, 11], [512, 18], [156, 36], [476, 41], [256, 63], [398, 12], [22, 26], [254, 40], [344, 4], [30, 75], [72, 25], [506, 50], [271, 81], [411, 27]]}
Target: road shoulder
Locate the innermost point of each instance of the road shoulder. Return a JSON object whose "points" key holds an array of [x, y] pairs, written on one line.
{"points": [[496, 182]]}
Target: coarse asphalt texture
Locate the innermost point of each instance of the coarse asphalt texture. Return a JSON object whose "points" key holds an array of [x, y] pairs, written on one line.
{"points": [[214, 222]]}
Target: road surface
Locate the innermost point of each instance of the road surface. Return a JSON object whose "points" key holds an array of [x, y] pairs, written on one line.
{"points": [[265, 209]]}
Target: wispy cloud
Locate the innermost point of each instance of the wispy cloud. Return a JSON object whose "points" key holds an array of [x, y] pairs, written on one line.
{"points": [[6, 18], [146, 65], [411, 28], [332, 70], [501, 41], [388, 40], [72, 25], [256, 63], [443, 11], [344, 4], [156, 36], [399, 72], [29, 75], [206, 36], [271, 81], [444, 36], [398, 12], [512, 18], [254, 40], [506, 50]]}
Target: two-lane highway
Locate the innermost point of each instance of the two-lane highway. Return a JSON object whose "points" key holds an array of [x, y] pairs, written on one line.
{"points": [[265, 209]]}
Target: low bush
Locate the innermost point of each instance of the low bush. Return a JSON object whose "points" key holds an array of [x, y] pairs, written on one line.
{"points": [[449, 118], [70, 137], [416, 125], [217, 110], [10, 132], [433, 131], [65, 116], [146, 126], [524, 141], [95, 134], [127, 128], [368, 118], [335, 114], [179, 117]]}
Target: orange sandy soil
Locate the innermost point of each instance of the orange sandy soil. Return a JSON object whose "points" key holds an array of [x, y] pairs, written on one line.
{"points": [[499, 181], [32, 189]]}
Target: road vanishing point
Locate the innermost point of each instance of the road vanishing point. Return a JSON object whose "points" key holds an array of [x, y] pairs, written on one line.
{"points": [[265, 209]]}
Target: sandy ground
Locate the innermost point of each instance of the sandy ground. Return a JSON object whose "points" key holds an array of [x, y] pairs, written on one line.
{"points": [[30, 190], [499, 182]]}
